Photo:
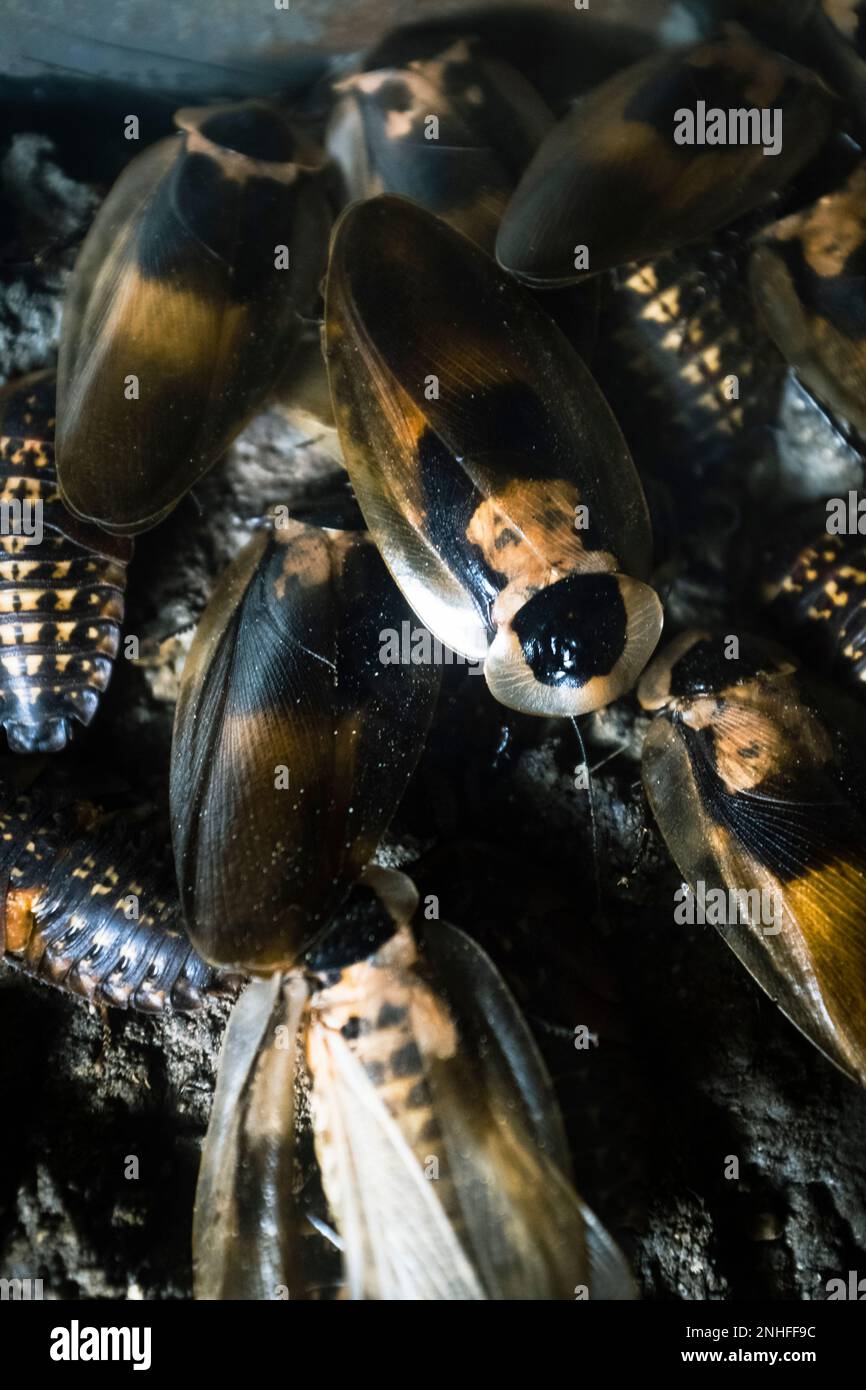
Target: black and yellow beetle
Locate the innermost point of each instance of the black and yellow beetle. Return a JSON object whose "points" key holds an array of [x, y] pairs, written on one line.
{"points": [[195, 285], [453, 132], [489, 468], [825, 35], [88, 903], [817, 596], [293, 742], [759, 790], [808, 274], [62, 584], [439, 1143], [660, 155], [684, 364]]}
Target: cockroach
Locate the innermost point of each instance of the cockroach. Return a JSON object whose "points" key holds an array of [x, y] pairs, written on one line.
{"points": [[759, 791], [807, 274], [621, 178], [438, 1139], [686, 369], [293, 742], [817, 596], [487, 464], [90, 905], [196, 283], [62, 584], [561, 52], [825, 35], [453, 132]]}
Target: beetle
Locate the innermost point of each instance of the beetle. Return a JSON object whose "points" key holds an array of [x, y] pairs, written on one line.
{"points": [[487, 464], [89, 904], [293, 741], [826, 35], [817, 595], [807, 275], [562, 54], [454, 132], [195, 285], [437, 1135], [760, 791], [582, 205], [62, 584]]}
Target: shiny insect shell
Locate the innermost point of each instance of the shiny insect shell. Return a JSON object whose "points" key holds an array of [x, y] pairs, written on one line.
{"points": [[826, 35], [61, 585], [453, 132], [758, 789], [808, 274], [683, 365], [437, 1135], [293, 742], [616, 154], [91, 906], [819, 601], [489, 469], [191, 294]]}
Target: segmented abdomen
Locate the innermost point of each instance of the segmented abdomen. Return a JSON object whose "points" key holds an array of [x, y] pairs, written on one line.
{"points": [[373, 1011], [61, 584], [686, 364], [91, 907], [820, 602]]}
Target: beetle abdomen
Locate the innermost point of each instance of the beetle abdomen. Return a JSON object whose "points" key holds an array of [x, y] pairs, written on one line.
{"points": [[819, 599], [61, 585], [95, 913]]}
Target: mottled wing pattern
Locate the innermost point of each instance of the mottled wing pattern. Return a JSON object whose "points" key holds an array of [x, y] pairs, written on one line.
{"points": [[452, 132], [808, 275], [455, 1104], [611, 178], [485, 460], [399, 1243]]}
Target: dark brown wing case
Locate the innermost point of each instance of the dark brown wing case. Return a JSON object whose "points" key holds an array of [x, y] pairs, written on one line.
{"points": [[184, 308], [293, 742], [614, 178]]}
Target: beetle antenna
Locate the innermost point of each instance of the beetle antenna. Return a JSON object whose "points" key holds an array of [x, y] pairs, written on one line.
{"points": [[592, 820]]}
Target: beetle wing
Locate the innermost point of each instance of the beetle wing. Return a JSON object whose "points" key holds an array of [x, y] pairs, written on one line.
{"points": [[293, 742], [431, 1068], [454, 133], [178, 323], [802, 841], [398, 1241], [470, 428], [611, 177], [527, 1195], [245, 1218]]}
